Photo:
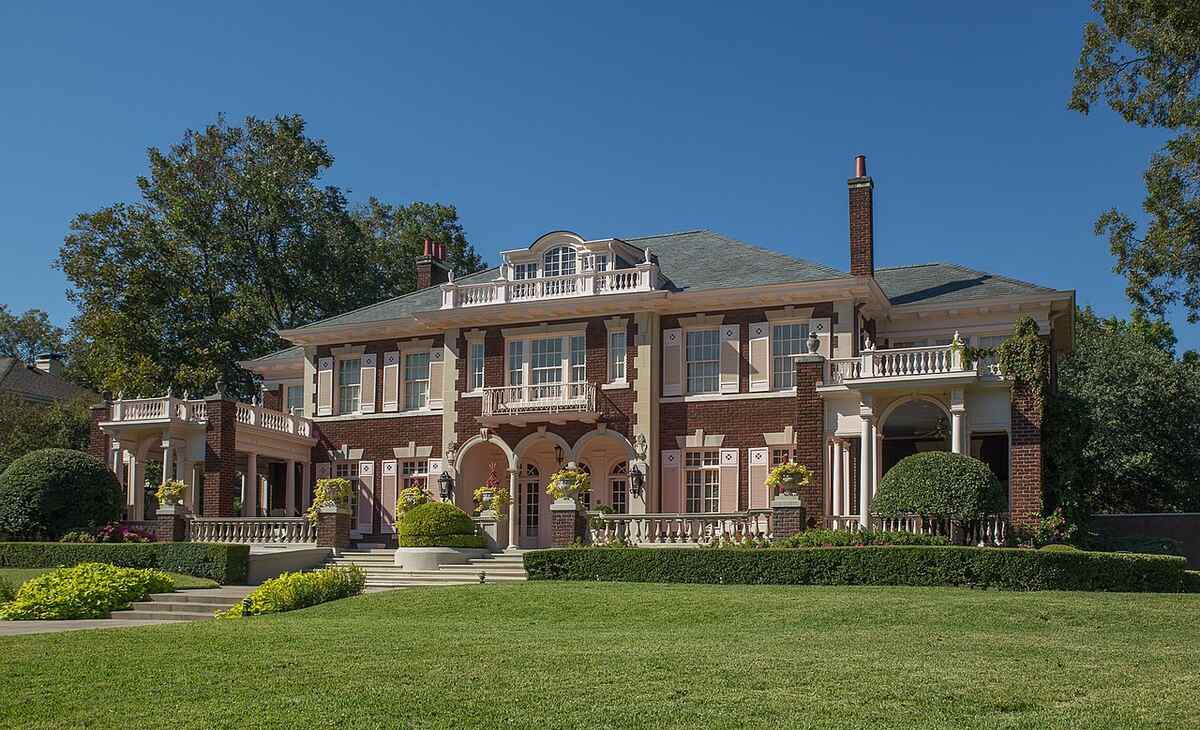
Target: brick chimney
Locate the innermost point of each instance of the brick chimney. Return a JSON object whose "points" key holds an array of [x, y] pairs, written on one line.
{"points": [[862, 220], [49, 362], [431, 266]]}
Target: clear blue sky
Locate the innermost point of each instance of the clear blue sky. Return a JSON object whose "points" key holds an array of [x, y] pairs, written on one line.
{"points": [[615, 120]]}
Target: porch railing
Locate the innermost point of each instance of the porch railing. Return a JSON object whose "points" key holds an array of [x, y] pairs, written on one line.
{"points": [[905, 362], [986, 529], [196, 411], [543, 398], [273, 420], [678, 528], [640, 278], [252, 530]]}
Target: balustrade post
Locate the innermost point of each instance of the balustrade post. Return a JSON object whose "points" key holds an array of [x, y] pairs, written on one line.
{"points": [[565, 522], [171, 526], [333, 528]]}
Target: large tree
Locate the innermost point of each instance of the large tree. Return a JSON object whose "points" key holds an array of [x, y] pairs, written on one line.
{"points": [[26, 426], [1122, 433], [1142, 58], [232, 239], [27, 335]]}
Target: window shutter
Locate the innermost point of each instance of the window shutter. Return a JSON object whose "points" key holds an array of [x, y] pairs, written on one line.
{"points": [[391, 381], [673, 362], [671, 475], [366, 495], [760, 356], [759, 467], [731, 335], [436, 363], [325, 386], [367, 388], [387, 497], [729, 480]]}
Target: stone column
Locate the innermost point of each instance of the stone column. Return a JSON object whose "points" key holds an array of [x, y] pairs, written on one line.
{"points": [[958, 411], [514, 506], [250, 492], [305, 485], [171, 526], [563, 522], [289, 482], [866, 463], [333, 528], [787, 516], [168, 469], [135, 493], [838, 507]]}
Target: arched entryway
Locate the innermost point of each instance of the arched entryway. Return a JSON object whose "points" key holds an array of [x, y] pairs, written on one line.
{"points": [[607, 455], [912, 426]]}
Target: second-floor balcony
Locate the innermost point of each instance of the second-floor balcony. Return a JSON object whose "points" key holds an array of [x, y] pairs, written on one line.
{"points": [[940, 362], [543, 403], [640, 278], [168, 409]]}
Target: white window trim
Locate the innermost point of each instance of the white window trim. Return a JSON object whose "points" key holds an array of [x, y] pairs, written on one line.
{"points": [[772, 324], [472, 389], [703, 469], [409, 348], [341, 354], [527, 337], [716, 328]]}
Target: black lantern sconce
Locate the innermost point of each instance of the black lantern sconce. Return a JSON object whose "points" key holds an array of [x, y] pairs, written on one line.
{"points": [[637, 481], [558, 454], [446, 486]]}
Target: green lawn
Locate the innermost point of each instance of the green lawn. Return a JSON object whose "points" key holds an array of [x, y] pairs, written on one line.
{"points": [[17, 576], [589, 655]]}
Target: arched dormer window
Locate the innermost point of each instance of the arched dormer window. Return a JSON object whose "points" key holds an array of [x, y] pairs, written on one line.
{"points": [[559, 262]]}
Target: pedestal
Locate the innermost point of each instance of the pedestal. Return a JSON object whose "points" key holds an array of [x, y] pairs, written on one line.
{"points": [[788, 516], [565, 522], [171, 526], [333, 528]]}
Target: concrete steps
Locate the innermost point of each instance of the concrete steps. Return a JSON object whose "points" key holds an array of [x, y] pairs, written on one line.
{"points": [[383, 574], [189, 605]]}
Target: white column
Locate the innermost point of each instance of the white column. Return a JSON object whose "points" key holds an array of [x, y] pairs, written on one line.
{"points": [[513, 509], [135, 504], [847, 479], [305, 484], [838, 507], [168, 470], [290, 485], [250, 492], [866, 465], [187, 475], [876, 459], [958, 409]]}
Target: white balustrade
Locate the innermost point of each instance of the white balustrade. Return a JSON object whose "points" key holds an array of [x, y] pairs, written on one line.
{"points": [[252, 530], [986, 529], [196, 411], [643, 277], [677, 527], [839, 369], [914, 361], [541, 398]]}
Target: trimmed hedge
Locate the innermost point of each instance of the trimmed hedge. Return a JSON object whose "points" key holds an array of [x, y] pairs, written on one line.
{"points": [[1011, 569], [222, 563], [87, 590], [438, 524], [49, 492], [939, 484], [819, 537], [291, 591]]}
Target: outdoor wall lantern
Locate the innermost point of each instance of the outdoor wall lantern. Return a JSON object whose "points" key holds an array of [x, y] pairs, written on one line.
{"points": [[558, 454], [446, 485], [637, 481]]}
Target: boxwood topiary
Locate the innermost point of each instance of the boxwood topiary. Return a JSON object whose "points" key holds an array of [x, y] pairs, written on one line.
{"points": [[939, 484], [437, 524], [50, 492]]}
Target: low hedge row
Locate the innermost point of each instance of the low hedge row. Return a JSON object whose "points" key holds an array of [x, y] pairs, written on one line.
{"points": [[291, 591], [1000, 568], [222, 563]]}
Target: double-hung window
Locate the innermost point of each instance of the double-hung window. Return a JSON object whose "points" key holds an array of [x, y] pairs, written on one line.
{"points": [[787, 340], [619, 483], [703, 361], [349, 470], [516, 362], [545, 366], [475, 363], [524, 271], [416, 380], [616, 357], [295, 399], [780, 456], [349, 385], [703, 475], [414, 474], [578, 359]]}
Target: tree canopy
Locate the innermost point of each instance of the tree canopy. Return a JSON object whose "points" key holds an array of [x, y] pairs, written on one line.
{"points": [[1121, 430], [232, 239], [1142, 58], [27, 335]]}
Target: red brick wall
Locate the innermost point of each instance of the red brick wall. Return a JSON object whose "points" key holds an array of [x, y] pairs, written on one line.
{"points": [[273, 398], [99, 443], [378, 347], [1025, 476], [862, 228], [220, 458], [810, 440]]}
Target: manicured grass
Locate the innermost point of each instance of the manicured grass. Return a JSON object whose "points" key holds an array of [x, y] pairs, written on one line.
{"points": [[17, 576], [616, 655]]}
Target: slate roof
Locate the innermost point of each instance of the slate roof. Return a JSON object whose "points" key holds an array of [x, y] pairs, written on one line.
{"points": [[295, 352], [942, 283], [31, 384]]}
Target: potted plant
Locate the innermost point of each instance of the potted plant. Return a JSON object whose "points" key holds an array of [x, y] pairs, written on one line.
{"points": [[331, 495], [569, 483], [491, 497], [789, 477], [409, 498], [170, 493]]}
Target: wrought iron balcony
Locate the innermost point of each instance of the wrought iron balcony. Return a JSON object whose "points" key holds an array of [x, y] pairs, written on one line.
{"points": [[549, 402]]}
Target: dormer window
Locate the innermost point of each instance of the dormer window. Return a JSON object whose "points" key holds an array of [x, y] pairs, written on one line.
{"points": [[524, 271], [559, 262], [595, 262]]}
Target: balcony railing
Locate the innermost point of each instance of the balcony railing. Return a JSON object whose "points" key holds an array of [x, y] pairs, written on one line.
{"points": [[252, 530], [678, 528], [169, 408], [545, 398], [905, 362], [641, 278]]}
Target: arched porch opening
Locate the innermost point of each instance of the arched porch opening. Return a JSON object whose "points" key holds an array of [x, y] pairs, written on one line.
{"points": [[607, 455], [912, 426]]}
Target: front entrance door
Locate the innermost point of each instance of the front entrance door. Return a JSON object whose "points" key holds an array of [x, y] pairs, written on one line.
{"points": [[533, 518]]}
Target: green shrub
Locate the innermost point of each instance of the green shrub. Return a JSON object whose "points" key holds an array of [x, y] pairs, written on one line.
{"points": [[219, 562], [1000, 568], [1058, 548], [78, 536], [1135, 544], [438, 524], [939, 484], [87, 590], [49, 492], [845, 538], [299, 590], [1191, 581], [8, 591]]}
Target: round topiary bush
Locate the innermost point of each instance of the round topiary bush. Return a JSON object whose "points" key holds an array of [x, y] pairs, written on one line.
{"points": [[939, 484], [48, 493], [437, 524]]}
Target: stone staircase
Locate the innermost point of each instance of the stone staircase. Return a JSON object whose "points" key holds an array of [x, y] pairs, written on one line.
{"points": [[186, 605], [383, 574]]}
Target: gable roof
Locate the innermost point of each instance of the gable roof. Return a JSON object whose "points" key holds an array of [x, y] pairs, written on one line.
{"points": [[31, 384], [295, 352], [942, 283]]}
